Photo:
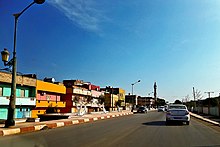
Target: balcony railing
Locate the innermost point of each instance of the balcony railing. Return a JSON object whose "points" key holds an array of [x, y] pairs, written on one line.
{"points": [[60, 104]]}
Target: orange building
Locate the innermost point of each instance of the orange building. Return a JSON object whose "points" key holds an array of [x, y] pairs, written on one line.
{"points": [[48, 95]]}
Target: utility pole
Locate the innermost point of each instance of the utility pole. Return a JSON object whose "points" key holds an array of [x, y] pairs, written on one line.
{"points": [[209, 96], [194, 96], [155, 93]]}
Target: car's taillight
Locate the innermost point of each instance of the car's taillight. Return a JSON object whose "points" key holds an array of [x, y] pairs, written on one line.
{"points": [[187, 112]]}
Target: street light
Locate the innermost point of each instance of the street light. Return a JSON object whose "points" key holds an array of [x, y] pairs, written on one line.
{"points": [[132, 86], [5, 56]]}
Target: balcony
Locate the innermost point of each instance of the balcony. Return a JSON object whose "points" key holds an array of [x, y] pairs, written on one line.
{"points": [[60, 104], [81, 91], [20, 101]]}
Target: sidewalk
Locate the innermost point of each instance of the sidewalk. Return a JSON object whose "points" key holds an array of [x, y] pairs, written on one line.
{"points": [[207, 118], [24, 127]]}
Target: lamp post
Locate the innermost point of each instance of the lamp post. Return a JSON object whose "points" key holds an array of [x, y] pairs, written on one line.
{"points": [[5, 56], [132, 89], [112, 97], [132, 86]]}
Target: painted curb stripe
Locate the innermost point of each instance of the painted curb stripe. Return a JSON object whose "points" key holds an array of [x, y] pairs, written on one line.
{"points": [[75, 122], [108, 116], [1, 133], [81, 120], [53, 125], [86, 120], [11, 131], [60, 124], [67, 123], [102, 117], [94, 119], [27, 129], [39, 127]]}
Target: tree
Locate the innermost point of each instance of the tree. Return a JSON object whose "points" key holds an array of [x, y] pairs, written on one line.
{"points": [[101, 99], [177, 102], [161, 102], [198, 95]]}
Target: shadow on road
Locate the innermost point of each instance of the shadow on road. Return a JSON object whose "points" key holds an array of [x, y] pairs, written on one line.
{"points": [[155, 123], [162, 123]]}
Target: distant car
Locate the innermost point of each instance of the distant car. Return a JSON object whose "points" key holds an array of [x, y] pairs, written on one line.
{"points": [[142, 109], [178, 113], [161, 108]]}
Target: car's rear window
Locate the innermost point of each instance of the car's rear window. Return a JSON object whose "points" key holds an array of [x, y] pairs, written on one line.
{"points": [[177, 107]]}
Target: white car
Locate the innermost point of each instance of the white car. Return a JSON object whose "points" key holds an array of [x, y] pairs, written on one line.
{"points": [[161, 108], [177, 112]]}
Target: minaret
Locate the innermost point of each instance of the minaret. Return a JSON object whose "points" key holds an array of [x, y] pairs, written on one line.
{"points": [[155, 91]]}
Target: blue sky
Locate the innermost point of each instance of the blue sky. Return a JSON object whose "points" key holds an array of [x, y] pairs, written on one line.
{"points": [[174, 42]]}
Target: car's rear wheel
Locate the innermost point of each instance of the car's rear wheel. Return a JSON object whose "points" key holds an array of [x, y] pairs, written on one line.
{"points": [[187, 123], [167, 122]]}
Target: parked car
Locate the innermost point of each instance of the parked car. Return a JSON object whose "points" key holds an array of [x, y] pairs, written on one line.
{"points": [[142, 109], [161, 108], [178, 113]]}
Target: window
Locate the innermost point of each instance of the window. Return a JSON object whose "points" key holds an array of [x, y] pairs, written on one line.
{"points": [[1, 91], [22, 93], [48, 97]]}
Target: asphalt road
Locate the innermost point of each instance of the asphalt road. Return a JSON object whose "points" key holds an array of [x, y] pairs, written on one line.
{"points": [[138, 130]]}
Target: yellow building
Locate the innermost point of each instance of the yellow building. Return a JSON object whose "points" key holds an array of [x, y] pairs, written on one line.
{"points": [[48, 95], [111, 101]]}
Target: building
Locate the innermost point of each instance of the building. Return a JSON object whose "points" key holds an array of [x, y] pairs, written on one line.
{"points": [[114, 97], [25, 94], [131, 100], [81, 94], [146, 101], [49, 97]]}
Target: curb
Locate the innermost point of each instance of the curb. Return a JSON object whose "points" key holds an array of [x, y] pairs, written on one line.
{"points": [[205, 119], [51, 125]]}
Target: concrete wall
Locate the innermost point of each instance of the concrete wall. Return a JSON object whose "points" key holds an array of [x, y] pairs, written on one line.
{"points": [[213, 110], [21, 80]]}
